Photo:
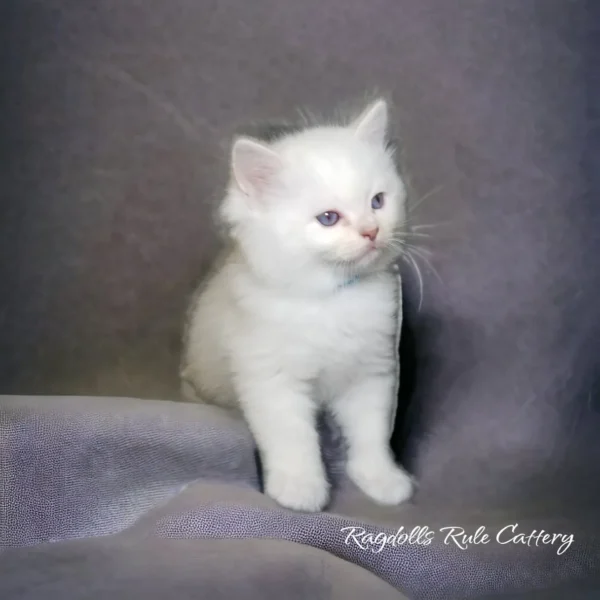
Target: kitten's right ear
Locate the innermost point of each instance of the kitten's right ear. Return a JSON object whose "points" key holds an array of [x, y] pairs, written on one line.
{"points": [[372, 124], [254, 165]]}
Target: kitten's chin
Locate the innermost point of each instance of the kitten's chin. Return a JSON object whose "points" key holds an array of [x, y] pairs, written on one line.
{"points": [[373, 259], [379, 259], [368, 257], [370, 260]]}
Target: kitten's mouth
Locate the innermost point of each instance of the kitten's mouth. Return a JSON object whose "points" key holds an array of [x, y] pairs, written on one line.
{"points": [[365, 257], [368, 254]]}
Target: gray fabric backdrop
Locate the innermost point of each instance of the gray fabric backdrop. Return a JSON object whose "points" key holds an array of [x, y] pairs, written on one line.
{"points": [[114, 123]]}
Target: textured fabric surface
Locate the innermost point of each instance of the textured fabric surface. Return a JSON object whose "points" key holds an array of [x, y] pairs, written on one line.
{"points": [[178, 484]]}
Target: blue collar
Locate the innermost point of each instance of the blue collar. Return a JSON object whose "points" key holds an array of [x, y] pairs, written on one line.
{"points": [[348, 282]]}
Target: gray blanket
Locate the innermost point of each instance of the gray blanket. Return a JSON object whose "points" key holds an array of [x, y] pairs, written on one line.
{"points": [[120, 497]]}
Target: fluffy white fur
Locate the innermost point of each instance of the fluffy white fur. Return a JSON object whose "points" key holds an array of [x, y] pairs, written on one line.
{"points": [[283, 327]]}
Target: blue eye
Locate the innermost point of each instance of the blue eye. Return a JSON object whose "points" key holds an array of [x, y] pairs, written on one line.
{"points": [[377, 201], [328, 218]]}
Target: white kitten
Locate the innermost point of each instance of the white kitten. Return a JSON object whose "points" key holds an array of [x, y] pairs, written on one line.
{"points": [[303, 311]]}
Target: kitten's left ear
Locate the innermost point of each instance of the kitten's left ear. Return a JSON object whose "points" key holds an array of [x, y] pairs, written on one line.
{"points": [[254, 165], [372, 124]]}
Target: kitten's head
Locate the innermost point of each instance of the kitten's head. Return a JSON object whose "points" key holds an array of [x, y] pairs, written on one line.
{"points": [[326, 198]]}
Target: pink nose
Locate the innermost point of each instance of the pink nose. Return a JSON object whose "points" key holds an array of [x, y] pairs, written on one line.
{"points": [[371, 234]]}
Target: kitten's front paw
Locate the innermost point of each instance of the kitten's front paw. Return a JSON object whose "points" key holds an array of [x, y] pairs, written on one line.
{"points": [[386, 484], [299, 490]]}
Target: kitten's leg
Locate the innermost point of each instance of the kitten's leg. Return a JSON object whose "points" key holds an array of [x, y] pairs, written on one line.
{"points": [[187, 388], [281, 416], [363, 413]]}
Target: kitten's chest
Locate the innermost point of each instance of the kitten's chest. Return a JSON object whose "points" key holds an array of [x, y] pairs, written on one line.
{"points": [[351, 327]]}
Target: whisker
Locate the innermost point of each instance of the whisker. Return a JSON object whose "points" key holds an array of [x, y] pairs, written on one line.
{"points": [[419, 278], [418, 234], [421, 249], [401, 243], [396, 245], [430, 225], [429, 264], [435, 190], [396, 240]]}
